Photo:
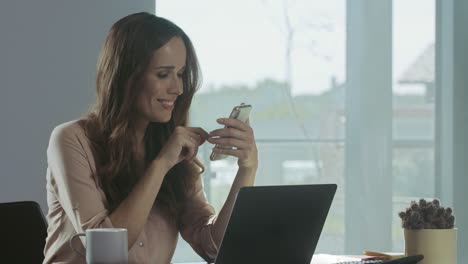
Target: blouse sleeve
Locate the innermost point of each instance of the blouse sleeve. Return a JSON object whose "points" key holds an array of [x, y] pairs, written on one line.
{"points": [[72, 179], [196, 221]]}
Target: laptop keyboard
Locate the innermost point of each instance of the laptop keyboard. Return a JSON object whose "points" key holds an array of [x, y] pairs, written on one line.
{"points": [[374, 261]]}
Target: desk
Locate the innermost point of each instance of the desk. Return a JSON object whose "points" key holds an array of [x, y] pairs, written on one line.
{"points": [[316, 259]]}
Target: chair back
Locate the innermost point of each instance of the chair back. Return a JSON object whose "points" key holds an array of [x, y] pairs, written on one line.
{"points": [[23, 231]]}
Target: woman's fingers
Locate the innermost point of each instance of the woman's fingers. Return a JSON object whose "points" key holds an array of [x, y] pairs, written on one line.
{"points": [[190, 138], [239, 144], [196, 137], [183, 144], [228, 132], [199, 132], [232, 152], [190, 149], [239, 135], [235, 133], [235, 123]]}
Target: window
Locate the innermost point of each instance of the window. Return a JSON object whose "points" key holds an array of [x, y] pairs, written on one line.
{"points": [[288, 59], [413, 106]]}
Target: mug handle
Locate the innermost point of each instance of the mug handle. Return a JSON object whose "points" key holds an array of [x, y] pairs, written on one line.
{"points": [[70, 242]]}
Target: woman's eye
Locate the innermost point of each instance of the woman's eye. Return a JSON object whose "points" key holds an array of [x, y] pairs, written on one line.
{"points": [[180, 75], [162, 75]]}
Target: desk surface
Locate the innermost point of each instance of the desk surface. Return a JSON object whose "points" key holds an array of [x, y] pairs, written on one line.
{"points": [[316, 259]]}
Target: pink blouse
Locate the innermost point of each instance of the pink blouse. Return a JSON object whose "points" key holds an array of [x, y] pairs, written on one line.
{"points": [[76, 203]]}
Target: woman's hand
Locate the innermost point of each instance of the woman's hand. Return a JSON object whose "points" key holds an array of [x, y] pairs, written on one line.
{"points": [[182, 145], [238, 135]]}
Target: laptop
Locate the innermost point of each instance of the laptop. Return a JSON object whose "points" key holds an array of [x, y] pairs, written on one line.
{"points": [[276, 224]]}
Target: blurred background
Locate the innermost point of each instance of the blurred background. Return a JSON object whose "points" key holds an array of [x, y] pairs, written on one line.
{"points": [[366, 94]]}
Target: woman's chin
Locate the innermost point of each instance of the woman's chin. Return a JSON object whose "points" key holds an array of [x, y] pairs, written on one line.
{"points": [[160, 119]]}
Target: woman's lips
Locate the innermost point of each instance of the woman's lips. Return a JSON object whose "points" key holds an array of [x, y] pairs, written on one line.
{"points": [[167, 104]]}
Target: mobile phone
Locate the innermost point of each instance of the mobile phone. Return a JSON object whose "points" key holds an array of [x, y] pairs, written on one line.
{"points": [[240, 112]]}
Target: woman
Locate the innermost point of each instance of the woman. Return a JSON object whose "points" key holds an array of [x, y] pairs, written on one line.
{"points": [[131, 163]]}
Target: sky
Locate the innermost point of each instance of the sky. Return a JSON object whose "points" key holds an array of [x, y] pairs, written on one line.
{"points": [[244, 41]]}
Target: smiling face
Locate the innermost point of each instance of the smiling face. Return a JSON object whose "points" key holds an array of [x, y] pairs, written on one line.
{"points": [[162, 82]]}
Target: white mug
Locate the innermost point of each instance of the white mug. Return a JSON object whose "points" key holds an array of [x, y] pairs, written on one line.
{"points": [[104, 245]]}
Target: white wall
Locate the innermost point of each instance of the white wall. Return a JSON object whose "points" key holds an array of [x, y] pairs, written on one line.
{"points": [[48, 54]]}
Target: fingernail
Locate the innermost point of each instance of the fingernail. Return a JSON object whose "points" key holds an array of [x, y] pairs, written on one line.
{"points": [[220, 120]]}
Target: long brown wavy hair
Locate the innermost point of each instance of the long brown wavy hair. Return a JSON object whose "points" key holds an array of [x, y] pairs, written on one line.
{"points": [[109, 126]]}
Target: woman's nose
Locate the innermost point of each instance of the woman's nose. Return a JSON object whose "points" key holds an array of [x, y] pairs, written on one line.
{"points": [[177, 86]]}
